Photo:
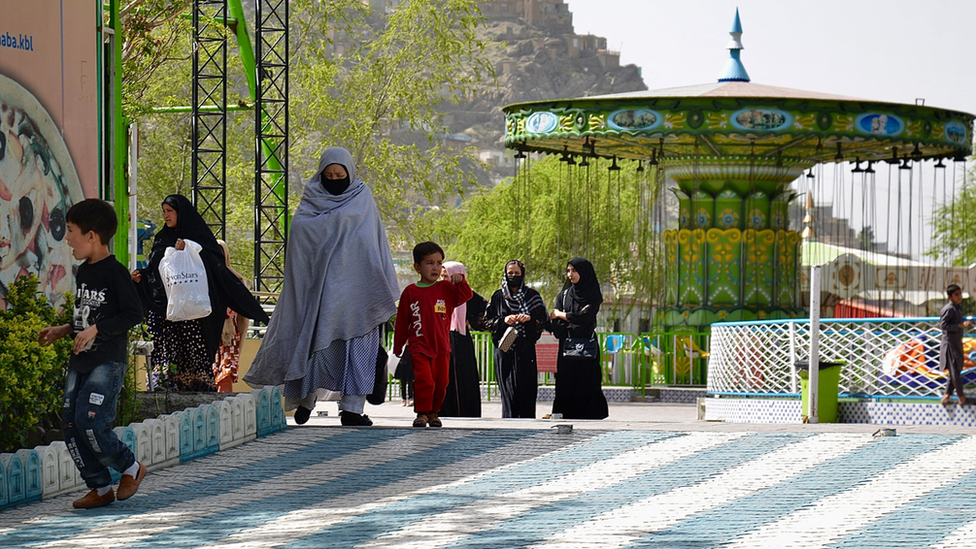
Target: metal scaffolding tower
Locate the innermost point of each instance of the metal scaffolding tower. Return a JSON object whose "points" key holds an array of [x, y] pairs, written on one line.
{"points": [[209, 123], [271, 154]]}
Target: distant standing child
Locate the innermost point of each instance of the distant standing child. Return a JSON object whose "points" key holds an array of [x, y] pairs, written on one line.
{"points": [[106, 307], [950, 348], [423, 323], [231, 338]]}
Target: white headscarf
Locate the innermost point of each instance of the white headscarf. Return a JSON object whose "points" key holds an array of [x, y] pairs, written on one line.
{"points": [[460, 318], [340, 282]]}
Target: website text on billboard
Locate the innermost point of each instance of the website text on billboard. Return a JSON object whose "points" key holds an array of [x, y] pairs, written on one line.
{"points": [[20, 42]]}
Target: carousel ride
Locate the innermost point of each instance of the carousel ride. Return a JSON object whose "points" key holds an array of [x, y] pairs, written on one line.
{"points": [[741, 154]]}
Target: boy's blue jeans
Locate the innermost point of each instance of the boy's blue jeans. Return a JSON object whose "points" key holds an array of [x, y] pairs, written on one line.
{"points": [[89, 409]]}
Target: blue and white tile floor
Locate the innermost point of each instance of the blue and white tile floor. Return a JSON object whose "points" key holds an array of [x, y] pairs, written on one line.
{"points": [[502, 487]]}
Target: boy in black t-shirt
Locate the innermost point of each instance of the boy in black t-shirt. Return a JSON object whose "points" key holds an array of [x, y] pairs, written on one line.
{"points": [[106, 307]]}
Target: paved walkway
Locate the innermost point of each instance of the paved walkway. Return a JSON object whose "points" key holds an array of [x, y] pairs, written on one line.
{"points": [[651, 476]]}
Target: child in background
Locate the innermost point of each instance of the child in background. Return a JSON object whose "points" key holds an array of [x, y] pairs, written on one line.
{"points": [[106, 307], [423, 323], [231, 339], [404, 373], [951, 355]]}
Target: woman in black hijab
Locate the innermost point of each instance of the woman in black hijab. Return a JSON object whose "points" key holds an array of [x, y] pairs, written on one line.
{"points": [[189, 345], [579, 394], [519, 307]]}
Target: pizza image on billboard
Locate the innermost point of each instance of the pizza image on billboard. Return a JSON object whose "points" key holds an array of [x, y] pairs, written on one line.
{"points": [[38, 183]]}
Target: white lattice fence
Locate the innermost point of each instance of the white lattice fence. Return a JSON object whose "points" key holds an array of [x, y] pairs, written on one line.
{"points": [[882, 357]]}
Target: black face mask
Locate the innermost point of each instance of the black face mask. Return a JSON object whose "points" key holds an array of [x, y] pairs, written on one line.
{"points": [[514, 281], [336, 186]]}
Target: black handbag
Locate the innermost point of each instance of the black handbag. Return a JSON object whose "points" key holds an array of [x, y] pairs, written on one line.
{"points": [[404, 368], [380, 382], [580, 348]]}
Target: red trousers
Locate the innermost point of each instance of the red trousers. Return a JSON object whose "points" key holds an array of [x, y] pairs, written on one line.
{"points": [[431, 377]]}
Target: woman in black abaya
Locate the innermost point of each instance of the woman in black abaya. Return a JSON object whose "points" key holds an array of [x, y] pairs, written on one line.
{"points": [[464, 389], [579, 394], [189, 345], [517, 306]]}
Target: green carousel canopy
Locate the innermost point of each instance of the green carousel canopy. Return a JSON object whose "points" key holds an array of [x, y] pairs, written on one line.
{"points": [[734, 118], [733, 147], [726, 120]]}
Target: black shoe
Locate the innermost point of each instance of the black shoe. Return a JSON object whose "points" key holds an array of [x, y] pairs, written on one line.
{"points": [[302, 414], [351, 419]]}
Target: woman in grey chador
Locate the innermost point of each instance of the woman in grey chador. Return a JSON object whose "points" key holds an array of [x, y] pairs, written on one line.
{"points": [[340, 286], [950, 349]]}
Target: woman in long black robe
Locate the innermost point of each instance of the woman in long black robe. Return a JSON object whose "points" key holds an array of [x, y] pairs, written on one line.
{"points": [[190, 345], [464, 389], [516, 305], [579, 391]]}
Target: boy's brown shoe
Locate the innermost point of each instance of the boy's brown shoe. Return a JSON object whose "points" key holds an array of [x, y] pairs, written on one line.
{"points": [[421, 421], [92, 499], [129, 484], [433, 420]]}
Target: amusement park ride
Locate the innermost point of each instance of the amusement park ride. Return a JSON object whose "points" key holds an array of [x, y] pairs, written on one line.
{"points": [[266, 68], [734, 147]]}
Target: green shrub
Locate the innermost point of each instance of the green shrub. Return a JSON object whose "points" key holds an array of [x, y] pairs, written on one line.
{"points": [[31, 376], [128, 407]]}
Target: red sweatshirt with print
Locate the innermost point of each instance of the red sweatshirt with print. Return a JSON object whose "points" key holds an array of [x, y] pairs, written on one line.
{"points": [[423, 320]]}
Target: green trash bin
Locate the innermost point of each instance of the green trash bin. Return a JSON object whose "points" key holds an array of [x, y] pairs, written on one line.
{"points": [[827, 389]]}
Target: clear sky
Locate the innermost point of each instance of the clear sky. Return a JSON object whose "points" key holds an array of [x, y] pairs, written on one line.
{"points": [[891, 50]]}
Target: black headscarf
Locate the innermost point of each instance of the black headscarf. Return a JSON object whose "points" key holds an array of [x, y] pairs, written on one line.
{"points": [[226, 290], [587, 290], [522, 299], [190, 225]]}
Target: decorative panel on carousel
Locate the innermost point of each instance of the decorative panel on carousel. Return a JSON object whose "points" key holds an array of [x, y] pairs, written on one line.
{"points": [[684, 209], [703, 208], [728, 210], [724, 253], [671, 267], [691, 267], [757, 211], [779, 217], [787, 249], [757, 273]]}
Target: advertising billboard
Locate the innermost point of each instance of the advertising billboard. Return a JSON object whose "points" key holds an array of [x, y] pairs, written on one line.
{"points": [[49, 133]]}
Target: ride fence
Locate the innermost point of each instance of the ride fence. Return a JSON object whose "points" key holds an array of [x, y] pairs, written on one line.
{"points": [[674, 358], [881, 357], [636, 360]]}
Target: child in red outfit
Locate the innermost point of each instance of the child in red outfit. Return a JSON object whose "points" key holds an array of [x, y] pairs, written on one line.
{"points": [[423, 323]]}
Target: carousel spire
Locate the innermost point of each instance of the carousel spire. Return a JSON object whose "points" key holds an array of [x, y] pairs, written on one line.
{"points": [[734, 71]]}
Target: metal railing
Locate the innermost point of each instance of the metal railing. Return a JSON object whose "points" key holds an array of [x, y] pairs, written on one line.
{"points": [[882, 357], [635, 360], [638, 361]]}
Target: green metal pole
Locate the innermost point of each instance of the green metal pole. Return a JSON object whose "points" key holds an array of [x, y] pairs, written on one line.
{"points": [[239, 26], [119, 141], [246, 50], [205, 108]]}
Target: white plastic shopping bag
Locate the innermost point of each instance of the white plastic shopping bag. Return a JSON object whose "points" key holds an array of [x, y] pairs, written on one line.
{"points": [[185, 280]]}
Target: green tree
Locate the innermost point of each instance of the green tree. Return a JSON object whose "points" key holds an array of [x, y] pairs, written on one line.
{"points": [[552, 213], [153, 32], [865, 238], [953, 240], [377, 88], [372, 83]]}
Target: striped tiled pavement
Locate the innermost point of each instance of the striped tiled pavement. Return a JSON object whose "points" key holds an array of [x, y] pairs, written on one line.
{"points": [[489, 488]]}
